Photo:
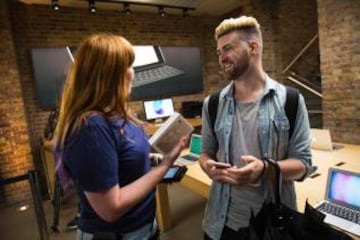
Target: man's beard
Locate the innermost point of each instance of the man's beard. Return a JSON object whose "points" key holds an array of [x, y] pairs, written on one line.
{"points": [[240, 66], [237, 71]]}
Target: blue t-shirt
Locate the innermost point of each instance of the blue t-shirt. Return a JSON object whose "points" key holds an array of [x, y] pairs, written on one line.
{"points": [[101, 155]]}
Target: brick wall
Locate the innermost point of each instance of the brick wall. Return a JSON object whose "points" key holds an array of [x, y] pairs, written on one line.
{"points": [[339, 34], [15, 158], [293, 18], [287, 27], [40, 26]]}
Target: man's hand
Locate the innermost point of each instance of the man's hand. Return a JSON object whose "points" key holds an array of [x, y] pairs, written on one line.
{"points": [[248, 174], [215, 172]]}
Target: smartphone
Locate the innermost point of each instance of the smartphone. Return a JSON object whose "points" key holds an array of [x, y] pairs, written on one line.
{"points": [[221, 165], [171, 173], [174, 174]]}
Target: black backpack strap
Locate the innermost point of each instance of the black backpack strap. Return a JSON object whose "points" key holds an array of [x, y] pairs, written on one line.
{"points": [[291, 106], [212, 108]]}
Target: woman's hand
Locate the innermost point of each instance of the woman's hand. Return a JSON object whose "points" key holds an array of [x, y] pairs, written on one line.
{"points": [[170, 158], [155, 158]]}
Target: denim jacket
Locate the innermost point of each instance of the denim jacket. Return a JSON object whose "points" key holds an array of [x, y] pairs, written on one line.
{"points": [[274, 140]]}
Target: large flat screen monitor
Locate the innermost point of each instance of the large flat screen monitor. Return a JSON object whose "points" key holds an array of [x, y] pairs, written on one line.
{"points": [[165, 71], [160, 72], [158, 109], [50, 67]]}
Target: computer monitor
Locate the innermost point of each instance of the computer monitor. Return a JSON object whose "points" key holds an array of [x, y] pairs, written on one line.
{"points": [[147, 56], [195, 144], [150, 67], [50, 67], [165, 72], [158, 109]]}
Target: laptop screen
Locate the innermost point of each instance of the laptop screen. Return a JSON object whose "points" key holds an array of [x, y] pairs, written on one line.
{"points": [[343, 188], [147, 56], [195, 144], [159, 108]]}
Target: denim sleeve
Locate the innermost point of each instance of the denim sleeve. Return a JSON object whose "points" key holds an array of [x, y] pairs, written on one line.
{"points": [[299, 145], [209, 144]]}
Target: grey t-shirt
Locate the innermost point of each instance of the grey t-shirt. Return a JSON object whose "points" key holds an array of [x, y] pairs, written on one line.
{"points": [[244, 141]]}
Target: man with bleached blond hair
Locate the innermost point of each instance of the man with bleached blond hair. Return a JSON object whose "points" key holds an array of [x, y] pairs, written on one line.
{"points": [[251, 124]]}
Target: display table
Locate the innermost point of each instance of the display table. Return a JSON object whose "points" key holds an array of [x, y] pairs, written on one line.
{"points": [[312, 189], [48, 163]]}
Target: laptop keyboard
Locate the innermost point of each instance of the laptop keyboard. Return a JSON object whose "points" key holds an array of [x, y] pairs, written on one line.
{"points": [[339, 211], [155, 74], [190, 158]]}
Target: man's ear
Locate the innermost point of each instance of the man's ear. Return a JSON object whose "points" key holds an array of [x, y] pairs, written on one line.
{"points": [[254, 47]]}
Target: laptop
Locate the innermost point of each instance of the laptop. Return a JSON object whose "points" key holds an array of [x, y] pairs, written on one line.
{"points": [[150, 67], [321, 140], [158, 109], [194, 151], [342, 200]]}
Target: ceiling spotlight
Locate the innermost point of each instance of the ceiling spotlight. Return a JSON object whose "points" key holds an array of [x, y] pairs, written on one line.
{"points": [[161, 11], [127, 9], [55, 5], [186, 13], [92, 8]]}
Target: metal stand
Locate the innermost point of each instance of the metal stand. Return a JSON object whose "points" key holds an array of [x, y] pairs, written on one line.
{"points": [[37, 201]]}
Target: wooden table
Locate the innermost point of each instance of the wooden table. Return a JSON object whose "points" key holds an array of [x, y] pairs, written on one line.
{"points": [[48, 162], [312, 189]]}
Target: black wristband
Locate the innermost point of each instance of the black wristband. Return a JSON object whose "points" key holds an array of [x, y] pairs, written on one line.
{"points": [[263, 170]]}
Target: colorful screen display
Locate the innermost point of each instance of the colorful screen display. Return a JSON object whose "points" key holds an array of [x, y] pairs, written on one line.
{"points": [[157, 109], [345, 188]]}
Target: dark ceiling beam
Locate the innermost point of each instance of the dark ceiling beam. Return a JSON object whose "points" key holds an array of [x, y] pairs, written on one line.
{"points": [[146, 4]]}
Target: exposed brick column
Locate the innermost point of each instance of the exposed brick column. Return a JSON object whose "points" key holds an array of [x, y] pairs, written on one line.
{"points": [[15, 158], [339, 34]]}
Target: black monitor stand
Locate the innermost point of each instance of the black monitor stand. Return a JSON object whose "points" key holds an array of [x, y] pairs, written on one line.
{"points": [[159, 121]]}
